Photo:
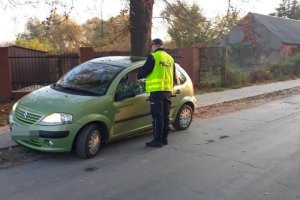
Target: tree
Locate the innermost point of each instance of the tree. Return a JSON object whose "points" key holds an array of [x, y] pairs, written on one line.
{"points": [[90, 28], [33, 43], [223, 24], [33, 36], [140, 26], [63, 33], [140, 20], [289, 9], [112, 34], [187, 25], [56, 33]]}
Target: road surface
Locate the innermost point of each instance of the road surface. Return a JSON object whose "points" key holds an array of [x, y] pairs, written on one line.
{"points": [[252, 154]]}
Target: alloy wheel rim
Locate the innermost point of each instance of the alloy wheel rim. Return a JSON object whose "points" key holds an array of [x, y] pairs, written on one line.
{"points": [[185, 118], [94, 142]]}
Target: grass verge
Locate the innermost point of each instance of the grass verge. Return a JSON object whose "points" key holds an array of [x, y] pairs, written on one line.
{"points": [[5, 108]]}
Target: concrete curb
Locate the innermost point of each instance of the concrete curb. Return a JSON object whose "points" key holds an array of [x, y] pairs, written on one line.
{"points": [[5, 138], [278, 92]]}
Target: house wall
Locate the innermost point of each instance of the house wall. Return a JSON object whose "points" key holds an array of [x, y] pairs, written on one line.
{"points": [[267, 45], [236, 35], [267, 42], [288, 50]]}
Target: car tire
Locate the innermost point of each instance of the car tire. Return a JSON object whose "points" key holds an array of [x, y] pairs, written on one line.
{"points": [[183, 118], [89, 141]]}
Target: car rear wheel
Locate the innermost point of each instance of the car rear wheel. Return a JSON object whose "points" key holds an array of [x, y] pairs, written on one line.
{"points": [[183, 118], [89, 141]]}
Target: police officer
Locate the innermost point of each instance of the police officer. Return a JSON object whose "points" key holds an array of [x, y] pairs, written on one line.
{"points": [[159, 72]]}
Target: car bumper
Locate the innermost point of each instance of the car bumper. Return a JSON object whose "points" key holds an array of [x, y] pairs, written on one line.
{"points": [[58, 138]]}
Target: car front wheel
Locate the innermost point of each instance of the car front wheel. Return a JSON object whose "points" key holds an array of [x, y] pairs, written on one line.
{"points": [[183, 118], [89, 141]]}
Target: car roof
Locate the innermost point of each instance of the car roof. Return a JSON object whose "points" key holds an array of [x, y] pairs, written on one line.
{"points": [[119, 60]]}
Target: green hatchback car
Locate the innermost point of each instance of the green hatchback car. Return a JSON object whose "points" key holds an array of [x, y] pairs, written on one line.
{"points": [[96, 102]]}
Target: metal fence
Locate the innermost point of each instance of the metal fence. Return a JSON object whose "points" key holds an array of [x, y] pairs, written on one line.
{"points": [[212, 66], [175, 54], [33, 69]]}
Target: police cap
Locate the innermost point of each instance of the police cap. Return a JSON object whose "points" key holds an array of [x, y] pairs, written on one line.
{"points": [[157, 41]]}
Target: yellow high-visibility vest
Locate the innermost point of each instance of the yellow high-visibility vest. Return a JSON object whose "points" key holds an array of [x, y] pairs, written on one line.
{"points": [[161, 78]]}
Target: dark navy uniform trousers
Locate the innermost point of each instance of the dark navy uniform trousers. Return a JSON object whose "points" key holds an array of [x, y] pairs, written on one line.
{"points": [[160, 103]]}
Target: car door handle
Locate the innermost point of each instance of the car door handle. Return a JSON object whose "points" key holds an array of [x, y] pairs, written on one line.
{"points": [[178, 92]]}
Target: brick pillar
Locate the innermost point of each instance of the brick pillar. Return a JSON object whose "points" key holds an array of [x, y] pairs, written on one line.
{"points": [[86, 53], [190, 61], [5, 75]]}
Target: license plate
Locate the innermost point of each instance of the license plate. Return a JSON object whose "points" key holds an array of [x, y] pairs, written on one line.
{"points": [[20, 132]]}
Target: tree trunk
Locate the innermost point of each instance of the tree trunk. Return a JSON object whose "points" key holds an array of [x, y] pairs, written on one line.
{"points": [[140, 26]]}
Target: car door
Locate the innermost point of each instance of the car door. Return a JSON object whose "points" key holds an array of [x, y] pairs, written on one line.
{"points": [[132, 110]]}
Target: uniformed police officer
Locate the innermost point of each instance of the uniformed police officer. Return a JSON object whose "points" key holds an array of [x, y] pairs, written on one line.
{"points": [[159, 72]]}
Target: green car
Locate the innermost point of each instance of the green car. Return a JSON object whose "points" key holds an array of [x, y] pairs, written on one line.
{"points": [[96, 102]]}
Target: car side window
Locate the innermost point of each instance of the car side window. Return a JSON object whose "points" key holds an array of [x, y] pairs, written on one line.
{"points": [[180, 78], [130, 83]]}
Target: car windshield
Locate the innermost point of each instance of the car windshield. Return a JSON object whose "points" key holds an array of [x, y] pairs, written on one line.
{"points": [[90, 78]]}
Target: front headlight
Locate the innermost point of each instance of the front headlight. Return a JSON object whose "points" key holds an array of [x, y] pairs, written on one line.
{"points": [[12, 112], [57, 119], [14, 107]]}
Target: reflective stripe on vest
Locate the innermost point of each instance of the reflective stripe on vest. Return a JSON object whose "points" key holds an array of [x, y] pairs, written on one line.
{"points": [[161, 78]]}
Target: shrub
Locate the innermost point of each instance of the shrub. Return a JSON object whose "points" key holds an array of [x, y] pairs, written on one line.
{"points": [[288, 69], [294, 64], [235, 76], [275, 69], [211, 81], [259, 75]]}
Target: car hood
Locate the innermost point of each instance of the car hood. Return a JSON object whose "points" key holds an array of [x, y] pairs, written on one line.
{"points": [[48, 100]]}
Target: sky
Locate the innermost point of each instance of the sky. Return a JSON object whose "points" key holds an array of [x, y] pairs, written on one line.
{"points": [[14, 18]]}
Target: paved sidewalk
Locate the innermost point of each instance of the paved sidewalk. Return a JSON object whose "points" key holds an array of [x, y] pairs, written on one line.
{"points": [[203, 100], [5, 138], [241, 93]]}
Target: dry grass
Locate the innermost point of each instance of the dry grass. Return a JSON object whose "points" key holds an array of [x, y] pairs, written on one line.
{"points": [[5, 108]]}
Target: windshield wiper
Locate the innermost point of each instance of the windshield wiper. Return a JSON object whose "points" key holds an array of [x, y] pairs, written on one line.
{"points": [[56, 85], [76, 89]]}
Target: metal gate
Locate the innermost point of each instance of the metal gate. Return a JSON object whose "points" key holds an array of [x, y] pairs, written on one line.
{"points": [[212, 66], [32, 69]]}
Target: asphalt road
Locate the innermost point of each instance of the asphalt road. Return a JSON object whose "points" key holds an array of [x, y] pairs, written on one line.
{"points": [[252, 154]]}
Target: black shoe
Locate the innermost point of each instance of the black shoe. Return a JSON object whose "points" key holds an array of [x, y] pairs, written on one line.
{"points": [[154, 143], [165, 141]]}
